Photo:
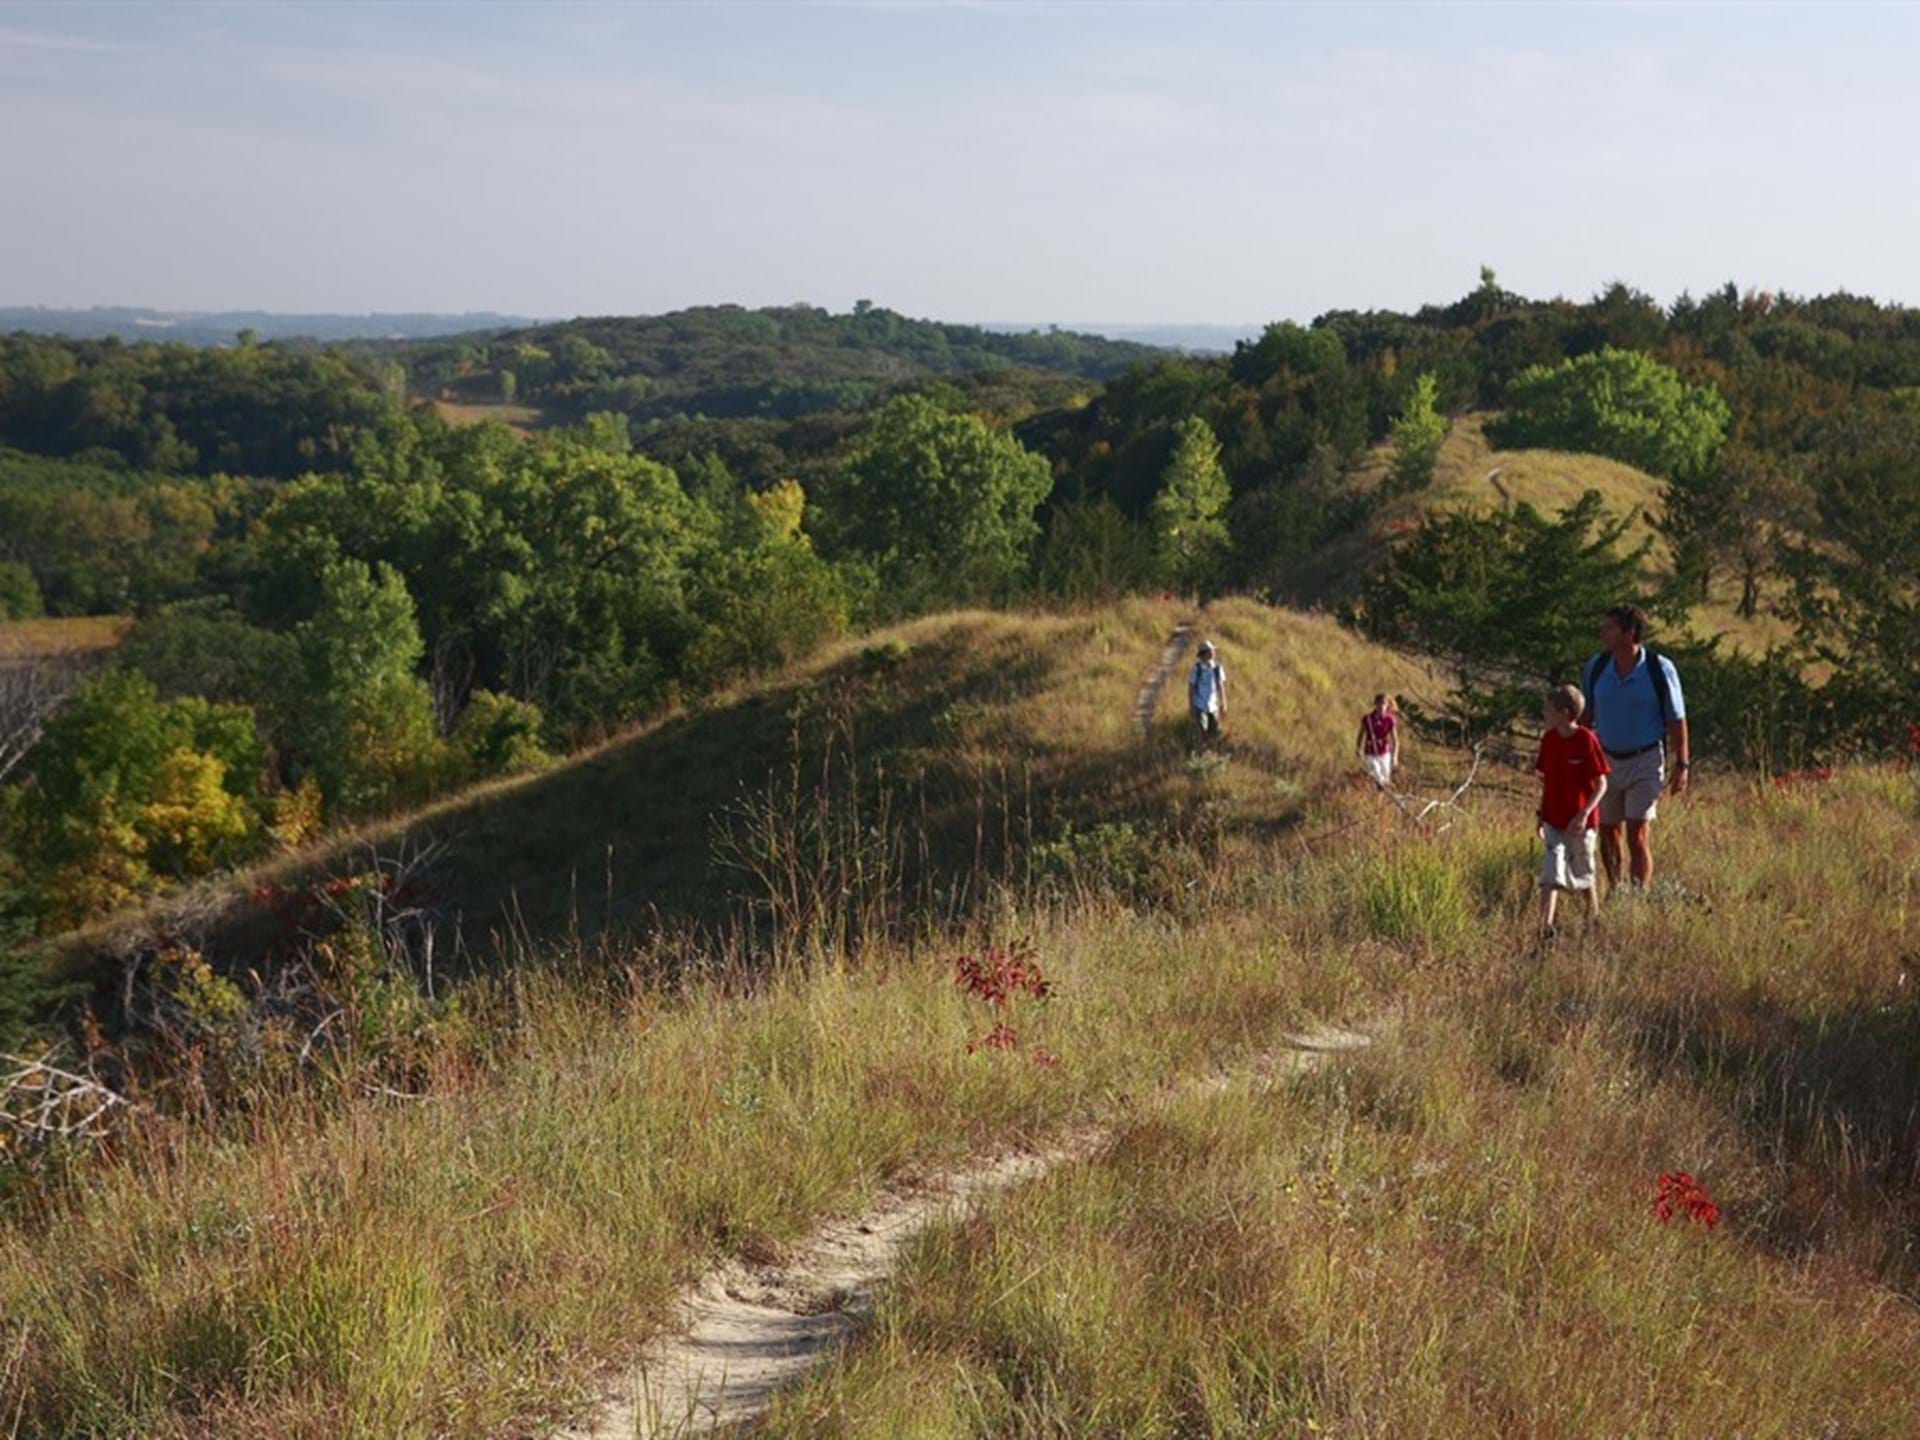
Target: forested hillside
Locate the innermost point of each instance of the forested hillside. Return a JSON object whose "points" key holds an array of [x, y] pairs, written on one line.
{"points": [[338, 606], [728, 362], [225, 327]]}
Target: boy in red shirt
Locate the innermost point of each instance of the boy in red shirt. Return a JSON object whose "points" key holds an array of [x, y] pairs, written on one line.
{"points": [[1573, 776]]}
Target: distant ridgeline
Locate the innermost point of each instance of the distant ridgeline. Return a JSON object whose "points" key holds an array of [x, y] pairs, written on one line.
{"points": [[726, 362], [224, 327]]}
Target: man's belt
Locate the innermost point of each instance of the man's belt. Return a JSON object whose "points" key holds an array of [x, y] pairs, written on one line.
{"points": [[1629, 754]]}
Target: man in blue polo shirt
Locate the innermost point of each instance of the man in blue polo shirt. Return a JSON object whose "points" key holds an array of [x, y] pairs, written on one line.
{"points": [[1641, 719]]}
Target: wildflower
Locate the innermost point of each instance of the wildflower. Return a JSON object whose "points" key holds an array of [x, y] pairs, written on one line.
{"points": [[1045, 1059]]}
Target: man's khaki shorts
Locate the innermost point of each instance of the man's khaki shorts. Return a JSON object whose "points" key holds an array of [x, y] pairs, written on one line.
{"points": [[1634, 786]]}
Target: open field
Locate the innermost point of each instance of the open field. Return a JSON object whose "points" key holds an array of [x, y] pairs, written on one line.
{"points": [[84, 638], [520, 418], [1446, 1234]]}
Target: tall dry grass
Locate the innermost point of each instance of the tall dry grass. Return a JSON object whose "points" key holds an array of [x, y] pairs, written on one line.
{"points": [[1443, 1233]]}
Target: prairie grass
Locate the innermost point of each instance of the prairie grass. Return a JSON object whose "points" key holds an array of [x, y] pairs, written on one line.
{"points": [[1452, 1234], [86, 637], [521, 419], [1440, 1235]]}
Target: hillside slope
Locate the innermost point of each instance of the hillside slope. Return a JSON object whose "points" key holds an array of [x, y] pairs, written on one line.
{"points": [[1471, 475], [979, 733], [728, 362]]}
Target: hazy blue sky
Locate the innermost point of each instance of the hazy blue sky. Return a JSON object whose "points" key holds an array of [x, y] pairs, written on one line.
{"points": [[1033, 161]]}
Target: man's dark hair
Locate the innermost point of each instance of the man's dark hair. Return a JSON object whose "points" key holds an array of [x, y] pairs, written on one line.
{"points": [[1630, 617]]}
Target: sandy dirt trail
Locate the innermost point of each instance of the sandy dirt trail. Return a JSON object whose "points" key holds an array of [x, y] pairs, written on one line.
{"points": [[749, 1331], [1149, 693]]}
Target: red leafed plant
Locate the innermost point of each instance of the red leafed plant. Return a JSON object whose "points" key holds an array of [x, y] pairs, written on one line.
{"points": [[1680, 1196], [1001, 977], [1913, 741], [998, 1038], [998, 976]]}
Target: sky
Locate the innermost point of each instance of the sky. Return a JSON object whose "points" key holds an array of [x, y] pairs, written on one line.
{"points": [[1038, 161]]}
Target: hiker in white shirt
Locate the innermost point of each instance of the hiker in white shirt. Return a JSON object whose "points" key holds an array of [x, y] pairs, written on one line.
{"points": [[1207, 693]]}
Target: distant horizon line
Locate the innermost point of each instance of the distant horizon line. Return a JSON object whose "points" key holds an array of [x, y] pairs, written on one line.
{"points": [[197, 313]]}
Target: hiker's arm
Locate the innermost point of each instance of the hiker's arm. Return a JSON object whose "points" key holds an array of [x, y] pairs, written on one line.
{"points": [[1599, 794], [1677, 747]]}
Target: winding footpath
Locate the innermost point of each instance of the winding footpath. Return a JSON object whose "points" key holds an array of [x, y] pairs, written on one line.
{"points": [[1148, 695], [746, 1332]]}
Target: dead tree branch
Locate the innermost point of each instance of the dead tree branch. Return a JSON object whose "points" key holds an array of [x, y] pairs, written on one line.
{"points": [[1448, 808]]}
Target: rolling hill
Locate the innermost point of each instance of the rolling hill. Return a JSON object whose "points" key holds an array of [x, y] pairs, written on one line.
{"points": [[986, 734], [1471, 475]]}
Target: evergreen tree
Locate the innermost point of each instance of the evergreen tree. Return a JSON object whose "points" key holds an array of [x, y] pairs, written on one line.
{"points": [[1507, 600]]}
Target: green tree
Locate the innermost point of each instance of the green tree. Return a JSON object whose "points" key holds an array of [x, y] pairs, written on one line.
{"points": [[1856, 578], [1189, 522], [367, 723], [1734, 515], [205, 648], [942, 505], [1417, 435], [19, 592], [1094, 552], [126, 790], [1619, 403], [1507, 600]]}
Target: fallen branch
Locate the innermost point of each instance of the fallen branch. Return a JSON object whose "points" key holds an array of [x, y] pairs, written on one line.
{"points": [[43, 1103], [1449, 807]]}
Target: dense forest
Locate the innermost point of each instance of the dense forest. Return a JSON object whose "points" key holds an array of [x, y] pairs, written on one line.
{"points": [[342, 604]]}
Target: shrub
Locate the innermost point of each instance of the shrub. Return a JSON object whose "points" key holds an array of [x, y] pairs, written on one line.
{"points": [[19, 592], [1615, 402], [498, 735]]}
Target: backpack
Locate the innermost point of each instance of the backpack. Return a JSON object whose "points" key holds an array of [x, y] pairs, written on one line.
{"points": [[1656, 667]]}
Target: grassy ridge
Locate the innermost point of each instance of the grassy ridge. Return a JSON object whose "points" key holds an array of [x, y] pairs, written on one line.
{"points": [[987, 727], [1440, 1236], [350, 1263]]}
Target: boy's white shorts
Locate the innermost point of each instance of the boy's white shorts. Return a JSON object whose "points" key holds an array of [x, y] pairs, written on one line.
{"points": [[1380, 767], [1568, 864]]}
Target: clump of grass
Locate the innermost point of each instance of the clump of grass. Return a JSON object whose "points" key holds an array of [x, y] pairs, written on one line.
{"points": [[1413, 896]]}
